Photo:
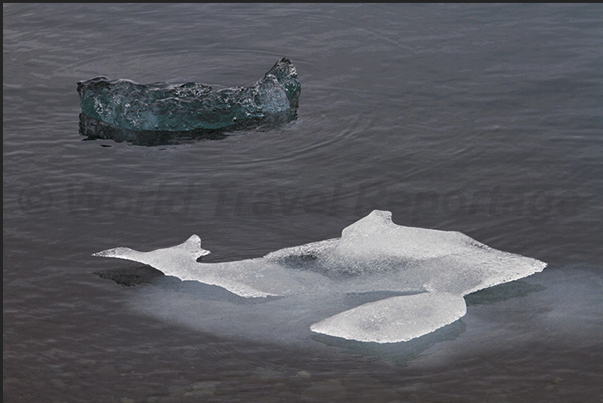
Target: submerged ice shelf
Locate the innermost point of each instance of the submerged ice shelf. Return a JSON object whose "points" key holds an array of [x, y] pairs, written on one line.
{"points": [[431, 271], [190, 106]]}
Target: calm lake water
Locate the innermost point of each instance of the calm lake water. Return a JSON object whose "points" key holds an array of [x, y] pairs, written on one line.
{"points": [[482, 119]]}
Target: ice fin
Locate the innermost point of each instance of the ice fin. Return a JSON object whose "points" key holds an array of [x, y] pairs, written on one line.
{"points": [[122, 253], [395, 319], [193, 246], [188, 251], [375, 222]]}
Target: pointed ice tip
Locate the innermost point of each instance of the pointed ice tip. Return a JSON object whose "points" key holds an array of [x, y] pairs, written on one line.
{"points": [[193, 245], [376, 221], [381, 213], [378, 217], [114, 252], [102, 253], [194, 238]]}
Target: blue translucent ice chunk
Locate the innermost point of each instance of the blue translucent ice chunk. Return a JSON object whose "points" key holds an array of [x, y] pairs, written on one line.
{"points": [[432, 269], [190, 106]]}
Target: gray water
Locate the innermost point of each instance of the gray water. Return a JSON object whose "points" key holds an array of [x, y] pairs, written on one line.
{"points": [[480, 119]]}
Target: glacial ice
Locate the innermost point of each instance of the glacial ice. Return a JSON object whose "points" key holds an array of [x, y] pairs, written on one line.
{"points": [[189, 106], [427, 273]]}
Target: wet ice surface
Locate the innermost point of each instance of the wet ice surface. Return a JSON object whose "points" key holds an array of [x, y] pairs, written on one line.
{"points": [[127, 105], [415, 277]]}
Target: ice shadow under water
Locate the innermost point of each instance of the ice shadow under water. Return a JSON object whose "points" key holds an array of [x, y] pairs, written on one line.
{"points": [[93, 129], [216, 311]]}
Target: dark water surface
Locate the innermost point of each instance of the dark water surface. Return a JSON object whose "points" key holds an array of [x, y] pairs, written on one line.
{"points": [[481, 119]]}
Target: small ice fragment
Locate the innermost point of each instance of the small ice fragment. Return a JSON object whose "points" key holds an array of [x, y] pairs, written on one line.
{"points": [[186, 107]]}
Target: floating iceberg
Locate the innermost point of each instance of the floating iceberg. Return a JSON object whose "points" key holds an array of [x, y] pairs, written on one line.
{"points": [[190, 106], [426, 272]]}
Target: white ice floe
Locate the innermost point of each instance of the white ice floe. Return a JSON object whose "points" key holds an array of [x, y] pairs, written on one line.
{"points": [[432, 269]]}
